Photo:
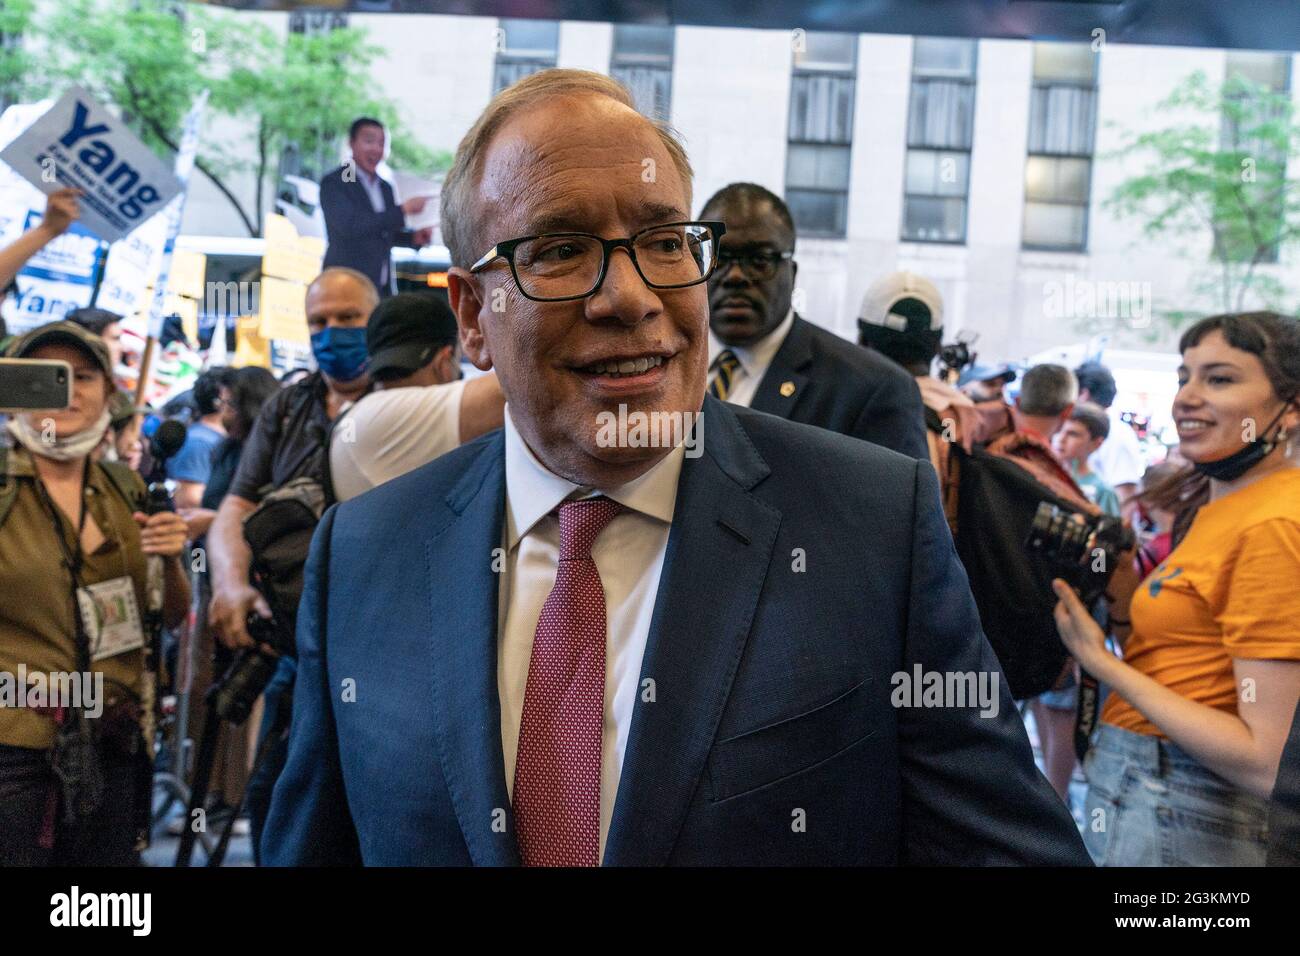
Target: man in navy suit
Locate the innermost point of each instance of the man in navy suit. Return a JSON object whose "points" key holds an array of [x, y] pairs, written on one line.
{"points": [[765, 355], [362, 221], [569, 643]]}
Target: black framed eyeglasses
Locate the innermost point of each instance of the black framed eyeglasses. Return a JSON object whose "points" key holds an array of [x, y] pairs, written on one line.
{"points": [[559, 266], [755, 263]]}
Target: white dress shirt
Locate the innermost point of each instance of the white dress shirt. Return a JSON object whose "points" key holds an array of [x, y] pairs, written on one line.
{"points": [[376, 195], [629, 554], [373, 191], [754, 360], [392, 431]]}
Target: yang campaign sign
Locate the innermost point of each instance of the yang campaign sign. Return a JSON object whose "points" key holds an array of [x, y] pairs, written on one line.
{"points": [[60, 276], [79, 143]]}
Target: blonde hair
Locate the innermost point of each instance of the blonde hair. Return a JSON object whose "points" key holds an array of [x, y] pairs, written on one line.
{"points": [[459, 223]]}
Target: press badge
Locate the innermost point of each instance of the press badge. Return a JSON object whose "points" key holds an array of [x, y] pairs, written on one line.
{"points": [[111, 618]]}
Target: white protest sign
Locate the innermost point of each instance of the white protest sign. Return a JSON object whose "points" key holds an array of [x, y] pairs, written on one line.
{"points": [[60, 276], [131, 269], [407, 186], [79, 143]]}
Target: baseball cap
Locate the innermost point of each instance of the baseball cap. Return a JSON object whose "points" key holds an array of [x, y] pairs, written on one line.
{"points": [[63, 333], [903, 302], [986, 373], [406, 330]]}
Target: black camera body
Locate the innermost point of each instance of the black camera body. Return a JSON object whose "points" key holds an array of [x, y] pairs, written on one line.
{"points": [[955, 356], [1081, 549], [238, 689]]}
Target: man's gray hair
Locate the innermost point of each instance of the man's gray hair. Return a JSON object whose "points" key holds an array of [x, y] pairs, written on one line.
{"points": [[459, 221], [1048, 390], [361, 279]]}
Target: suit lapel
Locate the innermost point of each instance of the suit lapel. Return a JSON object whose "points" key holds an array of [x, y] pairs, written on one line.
{"points": [[463, 621], [718, 552], [785, 383]]}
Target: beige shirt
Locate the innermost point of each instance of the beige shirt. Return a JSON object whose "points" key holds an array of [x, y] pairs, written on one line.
{"points": [[36, 602], [392, 431]]}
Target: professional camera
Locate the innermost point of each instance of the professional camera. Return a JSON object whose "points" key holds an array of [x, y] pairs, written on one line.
{"points": [[1081, 549], [234, 695], [956, 355]]}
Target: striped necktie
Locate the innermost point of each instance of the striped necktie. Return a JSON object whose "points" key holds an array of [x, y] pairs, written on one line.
{"points": [[724, 372]]}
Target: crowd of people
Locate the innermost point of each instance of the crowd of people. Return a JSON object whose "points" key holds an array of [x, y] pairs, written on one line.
{"points": [[512, 642]]}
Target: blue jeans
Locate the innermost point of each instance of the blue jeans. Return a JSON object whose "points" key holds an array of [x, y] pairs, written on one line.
{"points": [[1151, 804]]}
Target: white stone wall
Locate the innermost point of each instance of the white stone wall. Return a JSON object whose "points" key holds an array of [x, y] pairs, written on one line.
{"points": [[731, 90]]}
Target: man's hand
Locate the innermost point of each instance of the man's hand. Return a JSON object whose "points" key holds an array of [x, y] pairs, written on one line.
{"points": [[421, 237], [163, 534], [228, 613], [415, 205], [61, 208]]}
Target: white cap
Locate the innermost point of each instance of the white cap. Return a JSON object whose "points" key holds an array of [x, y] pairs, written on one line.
{"points": [[886, 292]]}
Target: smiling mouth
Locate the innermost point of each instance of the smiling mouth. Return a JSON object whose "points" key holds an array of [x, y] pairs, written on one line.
{"points": [[1192, 425], [623, 368]]}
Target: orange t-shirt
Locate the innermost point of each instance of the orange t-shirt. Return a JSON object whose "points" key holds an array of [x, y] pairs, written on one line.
{"points": [[1231, 589]]}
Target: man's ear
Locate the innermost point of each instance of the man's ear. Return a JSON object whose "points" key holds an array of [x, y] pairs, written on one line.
{"points": [[467, 302]]}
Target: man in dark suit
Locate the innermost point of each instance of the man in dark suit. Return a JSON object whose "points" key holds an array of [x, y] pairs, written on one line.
{"points": [[711, 649], [764, 355], [362, 221], [1284, 807]]}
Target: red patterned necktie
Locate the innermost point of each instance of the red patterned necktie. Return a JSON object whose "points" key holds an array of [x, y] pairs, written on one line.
{"points": [[557, 770]]}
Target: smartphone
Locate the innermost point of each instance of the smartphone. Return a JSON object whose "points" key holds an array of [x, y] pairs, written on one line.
{"points": [[31, 384]]}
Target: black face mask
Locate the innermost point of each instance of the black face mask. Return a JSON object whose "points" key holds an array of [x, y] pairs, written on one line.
{"points": [[1240, 462]]}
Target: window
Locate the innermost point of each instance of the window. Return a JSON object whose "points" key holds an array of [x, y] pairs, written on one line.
{"points": [[523, 48], [940, 127], [1062, 130], [643, 62], [821, 133], [1249, 79]]}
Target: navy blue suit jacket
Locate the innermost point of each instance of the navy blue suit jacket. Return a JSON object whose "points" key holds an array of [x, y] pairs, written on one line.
{"points": [[803, 570], [359, 237], [820, 379]]}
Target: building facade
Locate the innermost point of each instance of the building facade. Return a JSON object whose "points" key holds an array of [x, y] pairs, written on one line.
{"points": [[980, 164]]}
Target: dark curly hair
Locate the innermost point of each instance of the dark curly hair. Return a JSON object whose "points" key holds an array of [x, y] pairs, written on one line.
{"points": [[1272, 338]]}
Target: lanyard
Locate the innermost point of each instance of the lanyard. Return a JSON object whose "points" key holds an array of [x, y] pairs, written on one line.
{"points": [[73, 559], [76, 558]]}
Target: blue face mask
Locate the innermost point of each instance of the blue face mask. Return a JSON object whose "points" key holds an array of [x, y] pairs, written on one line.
{"points": [[340, 353]]}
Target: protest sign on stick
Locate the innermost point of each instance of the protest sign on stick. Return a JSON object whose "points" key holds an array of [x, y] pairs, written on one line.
{"points": [[80, 143]]}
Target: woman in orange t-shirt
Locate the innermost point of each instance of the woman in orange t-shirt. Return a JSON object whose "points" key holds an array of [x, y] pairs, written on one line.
{"points": [[1201, 703]]}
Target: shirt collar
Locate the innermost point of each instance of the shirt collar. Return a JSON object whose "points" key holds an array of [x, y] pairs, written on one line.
{"points": [[532, 491], [757, 357]]}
